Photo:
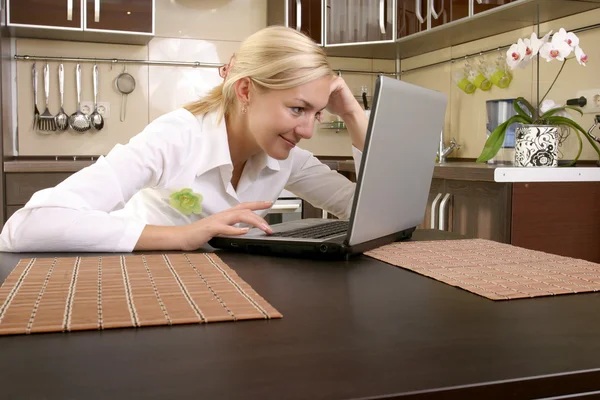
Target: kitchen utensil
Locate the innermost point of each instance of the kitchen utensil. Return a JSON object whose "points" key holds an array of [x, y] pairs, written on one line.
{"points": [[78, 120], [498, 112], [96, 119], [364, 98], [125, 84], [62, 119], [36, 112], [46, 123]]}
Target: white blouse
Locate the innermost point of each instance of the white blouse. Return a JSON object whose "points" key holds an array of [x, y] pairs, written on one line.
{"points": [[104, 207]]}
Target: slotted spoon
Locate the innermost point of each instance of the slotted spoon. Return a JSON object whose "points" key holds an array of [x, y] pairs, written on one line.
{"points": [[78, 120]]}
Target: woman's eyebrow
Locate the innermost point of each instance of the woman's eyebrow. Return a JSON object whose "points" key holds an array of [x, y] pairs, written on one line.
{"points": [[308, 105]]}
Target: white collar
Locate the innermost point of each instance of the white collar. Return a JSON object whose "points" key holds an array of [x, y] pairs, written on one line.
{"points": [[215, 136]]}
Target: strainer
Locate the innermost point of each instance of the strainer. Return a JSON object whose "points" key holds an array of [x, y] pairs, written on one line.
{"points": [[125, 84]]}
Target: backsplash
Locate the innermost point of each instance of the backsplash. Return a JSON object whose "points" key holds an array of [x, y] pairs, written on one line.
{"points": [[466, 116], [188, 30]]}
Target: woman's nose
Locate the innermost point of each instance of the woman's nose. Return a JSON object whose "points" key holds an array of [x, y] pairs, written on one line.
{"points": [[305, 130]]}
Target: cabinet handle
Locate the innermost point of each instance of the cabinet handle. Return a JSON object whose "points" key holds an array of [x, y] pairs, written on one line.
{"points": [[382, 16], [480, 1], [443, 206], [418, 11], [285, 207], [434, 206], [298, 15], [96, 10], [435, 14], [69, 10]]}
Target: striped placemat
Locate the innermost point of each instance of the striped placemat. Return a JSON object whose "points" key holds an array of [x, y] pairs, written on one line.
{"points": [[84, 293], [494, 270]]}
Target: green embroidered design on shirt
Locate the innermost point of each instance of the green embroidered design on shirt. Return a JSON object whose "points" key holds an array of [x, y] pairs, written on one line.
{"points": [[186, 201]]}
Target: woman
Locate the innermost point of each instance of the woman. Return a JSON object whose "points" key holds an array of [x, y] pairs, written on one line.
{"points": [[199, 171]]}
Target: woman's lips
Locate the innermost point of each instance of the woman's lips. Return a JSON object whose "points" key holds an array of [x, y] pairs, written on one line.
{"points": [[291, 144]]}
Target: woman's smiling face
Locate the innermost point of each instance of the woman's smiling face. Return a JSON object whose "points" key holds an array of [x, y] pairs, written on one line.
{"points": [[279, 119]]}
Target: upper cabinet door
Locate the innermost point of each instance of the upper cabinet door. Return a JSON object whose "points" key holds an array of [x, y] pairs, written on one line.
{"points": [[359, 21], [445, 11], [120, 15], [45, 13], [306, 16], [484, 5], [412, 17]]}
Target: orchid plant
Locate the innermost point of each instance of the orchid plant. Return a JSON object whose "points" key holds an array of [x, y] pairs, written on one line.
{"points": [[562, 46]]}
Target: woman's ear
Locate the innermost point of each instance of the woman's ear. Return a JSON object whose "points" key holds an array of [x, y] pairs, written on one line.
{"points": [[242, 90]]}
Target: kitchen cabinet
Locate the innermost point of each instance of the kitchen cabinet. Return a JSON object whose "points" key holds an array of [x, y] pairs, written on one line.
{"points": [[471, 208], [19, 187], [446, 11], [411, 17], [63, 14], [111, 21], [420, 30], [303, 15], [553, 217], [356, 21], [135, 16], [480, 6]]}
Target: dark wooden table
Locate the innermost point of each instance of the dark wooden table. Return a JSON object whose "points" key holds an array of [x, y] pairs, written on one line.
{"points": [[351, 329]]}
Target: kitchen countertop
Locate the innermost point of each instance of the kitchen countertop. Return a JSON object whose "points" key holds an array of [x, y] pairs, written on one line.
{"points": [[350, 329], [457, 170]]}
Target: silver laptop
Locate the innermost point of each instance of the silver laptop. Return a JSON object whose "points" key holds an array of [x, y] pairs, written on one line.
{"points": [[392, 184]]}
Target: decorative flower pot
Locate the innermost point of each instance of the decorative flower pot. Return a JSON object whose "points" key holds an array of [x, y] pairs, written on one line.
{"points": [[536, 146]]}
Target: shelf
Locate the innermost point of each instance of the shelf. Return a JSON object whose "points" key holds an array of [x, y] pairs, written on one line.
{"points": [[509, 17]]}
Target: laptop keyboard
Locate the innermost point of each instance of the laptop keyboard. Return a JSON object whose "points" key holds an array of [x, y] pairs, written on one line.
{"points": [[317, 231]]}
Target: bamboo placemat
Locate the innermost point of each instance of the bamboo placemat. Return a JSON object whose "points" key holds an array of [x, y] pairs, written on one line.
{"points": [[494, 270], [83, 293]]}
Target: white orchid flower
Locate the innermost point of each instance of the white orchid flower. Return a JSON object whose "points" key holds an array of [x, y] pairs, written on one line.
{"points": [[516, 54], [548, 105], [534, 44], [582, 58], [568, 37], [555, 50]]}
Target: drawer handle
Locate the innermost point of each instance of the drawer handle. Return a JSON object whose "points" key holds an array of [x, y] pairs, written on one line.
{"points": [[434, 13], [96, 10], [434, 206], [298, 15], [69, 10], [285, 207], [418, 11], [443, 206], [382, 16]]}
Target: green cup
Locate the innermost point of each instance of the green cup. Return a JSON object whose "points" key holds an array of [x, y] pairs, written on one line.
{"points": [[501, 79], [466, 86], [482, 82]]}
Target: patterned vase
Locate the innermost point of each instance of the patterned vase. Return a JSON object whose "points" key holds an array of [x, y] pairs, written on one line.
{"points": [[536, 146]]}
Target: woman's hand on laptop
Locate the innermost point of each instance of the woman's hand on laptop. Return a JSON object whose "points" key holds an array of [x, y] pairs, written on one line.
{"points": [[200, 232]]}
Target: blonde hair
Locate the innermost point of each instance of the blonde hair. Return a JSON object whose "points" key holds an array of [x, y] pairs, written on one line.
{"points": [[273, 58]]}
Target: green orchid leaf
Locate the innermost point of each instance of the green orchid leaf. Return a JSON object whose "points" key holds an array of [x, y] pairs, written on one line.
{"points": [[494, 142], [556, 120], [532, 112], [579, 151], [520, 111], [550, 113]]}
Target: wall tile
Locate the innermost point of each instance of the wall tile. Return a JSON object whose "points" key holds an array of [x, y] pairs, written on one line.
{"points": [[172, 87], [70, 142], [232, 20]]}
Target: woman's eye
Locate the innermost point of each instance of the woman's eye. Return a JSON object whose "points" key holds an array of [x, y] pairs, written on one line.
{"points": [[297, 110], [318, 116]]}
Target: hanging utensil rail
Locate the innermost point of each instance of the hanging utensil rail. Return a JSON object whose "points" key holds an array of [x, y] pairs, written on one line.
{"points": [[194, 64]]}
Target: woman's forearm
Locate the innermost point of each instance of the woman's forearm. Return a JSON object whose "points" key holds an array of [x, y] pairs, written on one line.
{"points": [[356, 124], [155, 237]]}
